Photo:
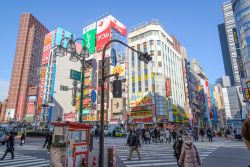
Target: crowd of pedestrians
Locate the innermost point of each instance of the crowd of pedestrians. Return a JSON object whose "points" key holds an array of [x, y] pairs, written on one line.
{"points": [[185, 151]]}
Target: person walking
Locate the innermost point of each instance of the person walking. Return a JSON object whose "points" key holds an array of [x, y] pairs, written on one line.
{"points": [[168, 136], [49, 142], [155, 135], [46, 140], [174, 134], [22, 138], [209, 135], [134, 144], [147, 136], [177, 148], [202, 133], [96, 133], [162, 135], [245, 134], [189, 155], [10, 146], [113, 133]]}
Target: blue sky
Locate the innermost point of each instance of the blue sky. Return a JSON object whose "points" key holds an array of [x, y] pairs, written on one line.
{"points": [[193, 22]]}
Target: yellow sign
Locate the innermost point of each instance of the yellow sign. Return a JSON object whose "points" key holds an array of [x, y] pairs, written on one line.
{"points": [[118, 69], [141, 114]]}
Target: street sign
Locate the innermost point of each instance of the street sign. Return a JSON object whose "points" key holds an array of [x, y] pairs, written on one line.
{"points": [[93, 96], [113, 57], [76, 75]]}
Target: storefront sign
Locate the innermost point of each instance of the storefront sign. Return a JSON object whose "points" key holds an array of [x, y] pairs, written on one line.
{"points": [[140, 120], [140, 114]]}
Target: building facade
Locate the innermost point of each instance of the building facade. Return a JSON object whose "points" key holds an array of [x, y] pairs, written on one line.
{"points": [[26, 65], [230, 30], [224, 81], [167, 62], [225, 52], [241, 9]]}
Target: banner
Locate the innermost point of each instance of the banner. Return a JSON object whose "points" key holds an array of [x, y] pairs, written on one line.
{"points": [[31, 108], [118, 26], [168, 87], [140, 114], [102, 33], [89, 34], [46, 48], [140, 100], [117, 105]]}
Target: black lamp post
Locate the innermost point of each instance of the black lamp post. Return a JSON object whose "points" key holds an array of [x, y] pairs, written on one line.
{"points": [[74, 56], [146, 58]]}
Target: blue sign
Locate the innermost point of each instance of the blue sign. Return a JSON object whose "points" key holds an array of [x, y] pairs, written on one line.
{"points": [[113, 57], [93, 96]]}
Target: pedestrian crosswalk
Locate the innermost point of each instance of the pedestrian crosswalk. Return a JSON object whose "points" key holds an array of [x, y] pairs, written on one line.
{"points": [[159, 154], [23, 161]]}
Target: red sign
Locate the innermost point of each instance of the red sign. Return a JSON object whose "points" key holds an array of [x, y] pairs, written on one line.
{"points": [[118, 26], [208, 96], [102, 33], [70, 115], [168, 87], [46, 48], [138, 120], [139, 108], [19, 109], [31, 108]]}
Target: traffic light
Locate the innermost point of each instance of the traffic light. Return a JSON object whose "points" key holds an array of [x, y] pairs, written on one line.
{"points": [[117, 88], [145, 57]]}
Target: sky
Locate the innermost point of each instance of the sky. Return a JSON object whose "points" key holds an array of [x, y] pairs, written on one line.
{"points": [[193, 22]]}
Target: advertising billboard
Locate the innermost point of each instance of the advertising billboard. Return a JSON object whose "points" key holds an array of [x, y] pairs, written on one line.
{"points": [[46, 48], [168, 87], [118, 26], [89, 34], [140, 99], [31, 108], [57, 36], [10, 113], [102, 33]]}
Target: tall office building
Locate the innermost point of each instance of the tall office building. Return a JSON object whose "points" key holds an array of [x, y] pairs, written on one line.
{"points": [[144, 85], [26, 64], [225, 52], [241, 11], [229, 28], [224, 81]]}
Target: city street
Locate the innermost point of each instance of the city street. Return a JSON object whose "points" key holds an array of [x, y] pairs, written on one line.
{"points": [[222, 153]]}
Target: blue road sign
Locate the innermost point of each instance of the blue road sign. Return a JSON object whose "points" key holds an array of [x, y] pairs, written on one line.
{"points": [[113, 57], [93, 96]]}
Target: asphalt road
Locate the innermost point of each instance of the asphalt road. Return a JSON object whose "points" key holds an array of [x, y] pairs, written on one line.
{"points": [[220, 153]]}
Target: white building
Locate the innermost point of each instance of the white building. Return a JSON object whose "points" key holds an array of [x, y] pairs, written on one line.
{"points": [[167, 61]]}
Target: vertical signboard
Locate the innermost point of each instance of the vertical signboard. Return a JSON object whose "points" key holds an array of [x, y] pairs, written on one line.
{"points": [[168, 87], [89, 34], [102, 33], [46, 48], [19, 108]]}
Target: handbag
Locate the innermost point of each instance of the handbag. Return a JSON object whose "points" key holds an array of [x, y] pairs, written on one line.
{"points": [[22, 141]]}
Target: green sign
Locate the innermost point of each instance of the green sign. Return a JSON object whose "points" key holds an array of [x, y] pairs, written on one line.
{"points": [[75, 75], [89, 34], [85, 111]]}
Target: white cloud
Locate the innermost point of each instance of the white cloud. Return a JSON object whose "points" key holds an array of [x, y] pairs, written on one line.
{"points": [[4, 87]]}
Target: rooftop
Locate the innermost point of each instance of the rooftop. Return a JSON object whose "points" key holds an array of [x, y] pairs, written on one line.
{"points": [[144, 24]]}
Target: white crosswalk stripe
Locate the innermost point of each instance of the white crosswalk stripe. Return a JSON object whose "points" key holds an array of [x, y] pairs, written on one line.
{"points": [[23, 161], [159, 154]]}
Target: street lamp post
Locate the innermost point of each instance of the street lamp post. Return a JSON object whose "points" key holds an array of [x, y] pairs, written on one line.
{"points": [[142, 57], [74, 56]]}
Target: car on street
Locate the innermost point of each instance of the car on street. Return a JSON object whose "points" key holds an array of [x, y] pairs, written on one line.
{"points": [[120, 133]]}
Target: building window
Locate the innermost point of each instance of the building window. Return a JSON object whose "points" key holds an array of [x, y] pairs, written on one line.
{"points": [[139, 86], [151, 42], [159, 53], [153, 87], [159, 64], [158, 42], [146, 85], [138, 47], [133, 87], [133, 58]]}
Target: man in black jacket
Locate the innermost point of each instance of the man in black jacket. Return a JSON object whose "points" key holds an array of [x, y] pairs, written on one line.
{"points": [[209, 135], [10, 146], [133, 142]]}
